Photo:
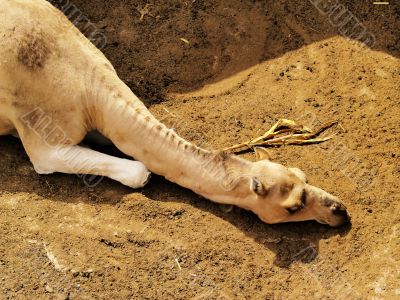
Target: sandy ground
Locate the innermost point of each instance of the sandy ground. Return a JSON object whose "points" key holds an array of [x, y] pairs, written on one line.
{"points": [[247, 64]]}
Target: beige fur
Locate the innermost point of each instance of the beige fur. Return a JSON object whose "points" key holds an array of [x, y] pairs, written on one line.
{"points": [[55, 87]]}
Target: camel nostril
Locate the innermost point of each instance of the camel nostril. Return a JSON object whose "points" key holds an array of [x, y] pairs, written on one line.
{"points": [[338, 208], [333, 204], [340, 211]]}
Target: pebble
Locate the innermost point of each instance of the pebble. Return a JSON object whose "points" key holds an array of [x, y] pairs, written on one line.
{"points": [[49, 289], [62, 297]]}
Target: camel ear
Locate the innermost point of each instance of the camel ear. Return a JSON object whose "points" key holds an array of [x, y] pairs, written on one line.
{"points": [[257, 187], [262, 153]]}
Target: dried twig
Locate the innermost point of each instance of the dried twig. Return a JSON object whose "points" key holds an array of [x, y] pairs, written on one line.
{"points": [[144, 11], [285, 132]]}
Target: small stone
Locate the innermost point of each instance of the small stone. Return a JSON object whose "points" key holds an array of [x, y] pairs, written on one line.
{"points": [[62, 297], [49, 289]]}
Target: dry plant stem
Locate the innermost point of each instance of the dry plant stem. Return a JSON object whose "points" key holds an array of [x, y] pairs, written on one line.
{"points": [[299, 135]]}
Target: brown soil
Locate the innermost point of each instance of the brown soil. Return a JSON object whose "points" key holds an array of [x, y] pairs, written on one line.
{"points": [[248, 63]]}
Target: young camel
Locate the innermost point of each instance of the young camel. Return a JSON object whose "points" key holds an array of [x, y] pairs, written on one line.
{"points": [[55, 87]]}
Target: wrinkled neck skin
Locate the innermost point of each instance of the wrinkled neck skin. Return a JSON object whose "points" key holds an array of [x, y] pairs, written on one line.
{"points": [[135, 131], [211, 174]]}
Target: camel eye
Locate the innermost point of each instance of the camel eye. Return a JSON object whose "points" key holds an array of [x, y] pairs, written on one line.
{"points": [[296, 208], [293, 209]]}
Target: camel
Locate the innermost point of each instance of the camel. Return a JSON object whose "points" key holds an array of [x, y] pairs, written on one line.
{"points": [[55, 87]]}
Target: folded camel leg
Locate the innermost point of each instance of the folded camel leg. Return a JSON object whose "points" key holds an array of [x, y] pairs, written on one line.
{"points": [[73, 159]]}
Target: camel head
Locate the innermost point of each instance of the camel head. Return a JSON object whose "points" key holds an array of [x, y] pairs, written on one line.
{"points": [[278, 194]]}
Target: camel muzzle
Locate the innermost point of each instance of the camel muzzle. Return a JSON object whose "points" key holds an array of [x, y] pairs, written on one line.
{"points": [[329, 209]]}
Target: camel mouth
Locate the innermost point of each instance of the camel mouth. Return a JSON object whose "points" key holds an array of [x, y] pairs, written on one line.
{"points": [[322, 221], [343, 216]]}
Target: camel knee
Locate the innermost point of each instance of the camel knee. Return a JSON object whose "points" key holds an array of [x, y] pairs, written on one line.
{"points": [[45, 162]]}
